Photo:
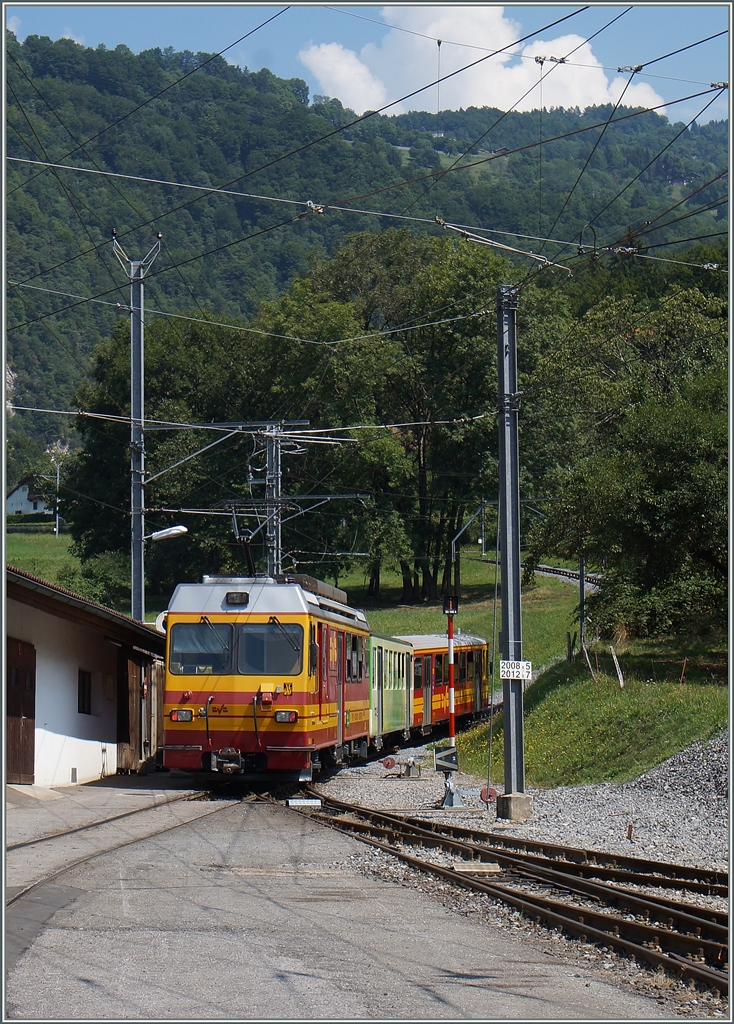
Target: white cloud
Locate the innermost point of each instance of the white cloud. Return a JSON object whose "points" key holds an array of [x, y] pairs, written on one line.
{"points": [[13, 23], [68, 34], [342, 74], [402, 63]]}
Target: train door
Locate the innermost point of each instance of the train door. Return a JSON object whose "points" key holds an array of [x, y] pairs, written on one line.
{"points": [[427, 690], [478, 667], [322, 669], [407, 683], [339, 688], [379, 679]]}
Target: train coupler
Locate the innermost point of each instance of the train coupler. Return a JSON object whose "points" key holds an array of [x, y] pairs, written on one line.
{"points": [[227, 760]]}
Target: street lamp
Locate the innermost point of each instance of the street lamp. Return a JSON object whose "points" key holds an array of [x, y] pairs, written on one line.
{"points": [[170, 531], [138, 599]]}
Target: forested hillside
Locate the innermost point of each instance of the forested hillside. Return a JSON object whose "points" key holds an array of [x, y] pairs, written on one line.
{"points": [[155, 116]]}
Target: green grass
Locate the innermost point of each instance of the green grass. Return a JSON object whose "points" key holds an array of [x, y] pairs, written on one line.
{"points": [[582, 730], [547, 607], [41, 554]]}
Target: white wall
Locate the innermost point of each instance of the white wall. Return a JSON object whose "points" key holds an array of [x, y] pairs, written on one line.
{"points": [[18, 502], [65, 738]]}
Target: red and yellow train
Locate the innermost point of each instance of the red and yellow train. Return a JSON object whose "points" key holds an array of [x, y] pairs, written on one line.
{"points": [[281, 675]]}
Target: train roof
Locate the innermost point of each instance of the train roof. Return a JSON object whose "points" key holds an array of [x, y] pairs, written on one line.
{"points": [[398, 641], [427, 641], [264, 595]]}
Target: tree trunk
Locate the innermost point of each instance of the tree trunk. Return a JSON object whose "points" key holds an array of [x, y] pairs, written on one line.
{"points": [[373, 589], [408, 594]]}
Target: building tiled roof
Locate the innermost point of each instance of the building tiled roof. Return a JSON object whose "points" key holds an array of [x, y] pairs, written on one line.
{"points": [[143, 634]]}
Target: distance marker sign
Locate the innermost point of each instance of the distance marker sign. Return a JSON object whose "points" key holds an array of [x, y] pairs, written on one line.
{"points": [[516, 670]]}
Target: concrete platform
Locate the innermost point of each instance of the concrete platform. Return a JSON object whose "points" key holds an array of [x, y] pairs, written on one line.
{"points": [[256, 913], [35, 811]]}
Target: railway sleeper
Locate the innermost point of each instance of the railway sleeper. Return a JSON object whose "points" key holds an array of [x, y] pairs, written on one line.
{"points": [[712, 977]]}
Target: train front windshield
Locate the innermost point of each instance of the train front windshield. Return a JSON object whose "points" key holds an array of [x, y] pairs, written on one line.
{"points": [[200, 648], [254, 649], [269, 649]]}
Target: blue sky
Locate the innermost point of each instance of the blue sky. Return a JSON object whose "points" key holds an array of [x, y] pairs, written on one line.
{"points": [[370, 55]]}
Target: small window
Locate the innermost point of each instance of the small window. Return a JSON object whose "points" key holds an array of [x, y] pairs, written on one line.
{"points": [[84, 693], [418, 674]]}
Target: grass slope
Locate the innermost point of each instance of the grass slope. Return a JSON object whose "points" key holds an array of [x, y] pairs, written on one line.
{"points": [[41, 554], [582, 730]]}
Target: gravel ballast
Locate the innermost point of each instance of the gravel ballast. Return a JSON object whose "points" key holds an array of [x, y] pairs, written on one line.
{"points": [[676, 812]]}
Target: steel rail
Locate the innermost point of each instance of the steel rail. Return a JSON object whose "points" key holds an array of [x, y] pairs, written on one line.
{"points": [[48, 836], [51, 876], [698, 928], [656, 873], [572, 920], [585, 857], [696, 939]]}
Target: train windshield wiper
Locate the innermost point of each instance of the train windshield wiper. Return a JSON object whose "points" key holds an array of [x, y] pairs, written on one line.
{"points": [[284, 631], [222, 644]]}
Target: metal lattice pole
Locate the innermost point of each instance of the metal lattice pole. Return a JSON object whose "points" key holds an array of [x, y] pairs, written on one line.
{"points": [[272, 499], [509, 513], [136, 270]]}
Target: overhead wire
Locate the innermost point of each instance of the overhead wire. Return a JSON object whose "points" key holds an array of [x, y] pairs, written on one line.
{"points": [[336, 131], [543, 75], [160, 93], [293, 202], [374, 192]]}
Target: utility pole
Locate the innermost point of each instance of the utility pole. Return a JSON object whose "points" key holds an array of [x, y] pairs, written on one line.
{"points": [[273, 437], [515, 804], [136, 270]]}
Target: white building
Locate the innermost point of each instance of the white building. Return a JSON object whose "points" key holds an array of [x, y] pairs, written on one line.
{"points": [[23, 499], [83, 684]]}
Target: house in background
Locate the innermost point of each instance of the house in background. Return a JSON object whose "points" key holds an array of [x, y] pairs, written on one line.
{"points": [[24, 499], [84, 686]]}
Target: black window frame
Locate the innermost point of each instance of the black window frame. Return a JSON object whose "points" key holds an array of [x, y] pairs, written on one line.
{"points": [[84, 692]]}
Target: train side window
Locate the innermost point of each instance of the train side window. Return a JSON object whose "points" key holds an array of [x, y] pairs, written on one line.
{"points": [[418, 674], [354, 662], [462, 667], [348, 647]]}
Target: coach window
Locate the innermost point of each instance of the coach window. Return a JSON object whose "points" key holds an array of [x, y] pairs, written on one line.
{"points": [[354, 659], [470, 665], [418, 674], [200, 648]]}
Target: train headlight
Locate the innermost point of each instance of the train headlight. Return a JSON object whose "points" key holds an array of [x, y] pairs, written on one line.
{"points": [[286, 716], [182, 715]]}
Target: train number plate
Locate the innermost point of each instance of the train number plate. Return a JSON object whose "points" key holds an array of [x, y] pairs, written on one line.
{"points": [[516, 670]]}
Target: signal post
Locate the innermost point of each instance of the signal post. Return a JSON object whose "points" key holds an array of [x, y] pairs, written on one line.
{"points": [[446, 760]]}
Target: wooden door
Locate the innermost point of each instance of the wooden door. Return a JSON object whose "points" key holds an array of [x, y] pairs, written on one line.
{"points": [[21, 712], [129, 739]]}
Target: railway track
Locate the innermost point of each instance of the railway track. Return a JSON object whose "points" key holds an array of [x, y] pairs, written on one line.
{"points": [[55, 839], [589, 895], [593, 579]]}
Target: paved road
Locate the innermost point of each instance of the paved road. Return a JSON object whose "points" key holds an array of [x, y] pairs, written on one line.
{"points": [[255, 914]]}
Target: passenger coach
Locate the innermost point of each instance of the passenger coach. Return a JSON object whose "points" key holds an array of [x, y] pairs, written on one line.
{"points": [[280, 674]]}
